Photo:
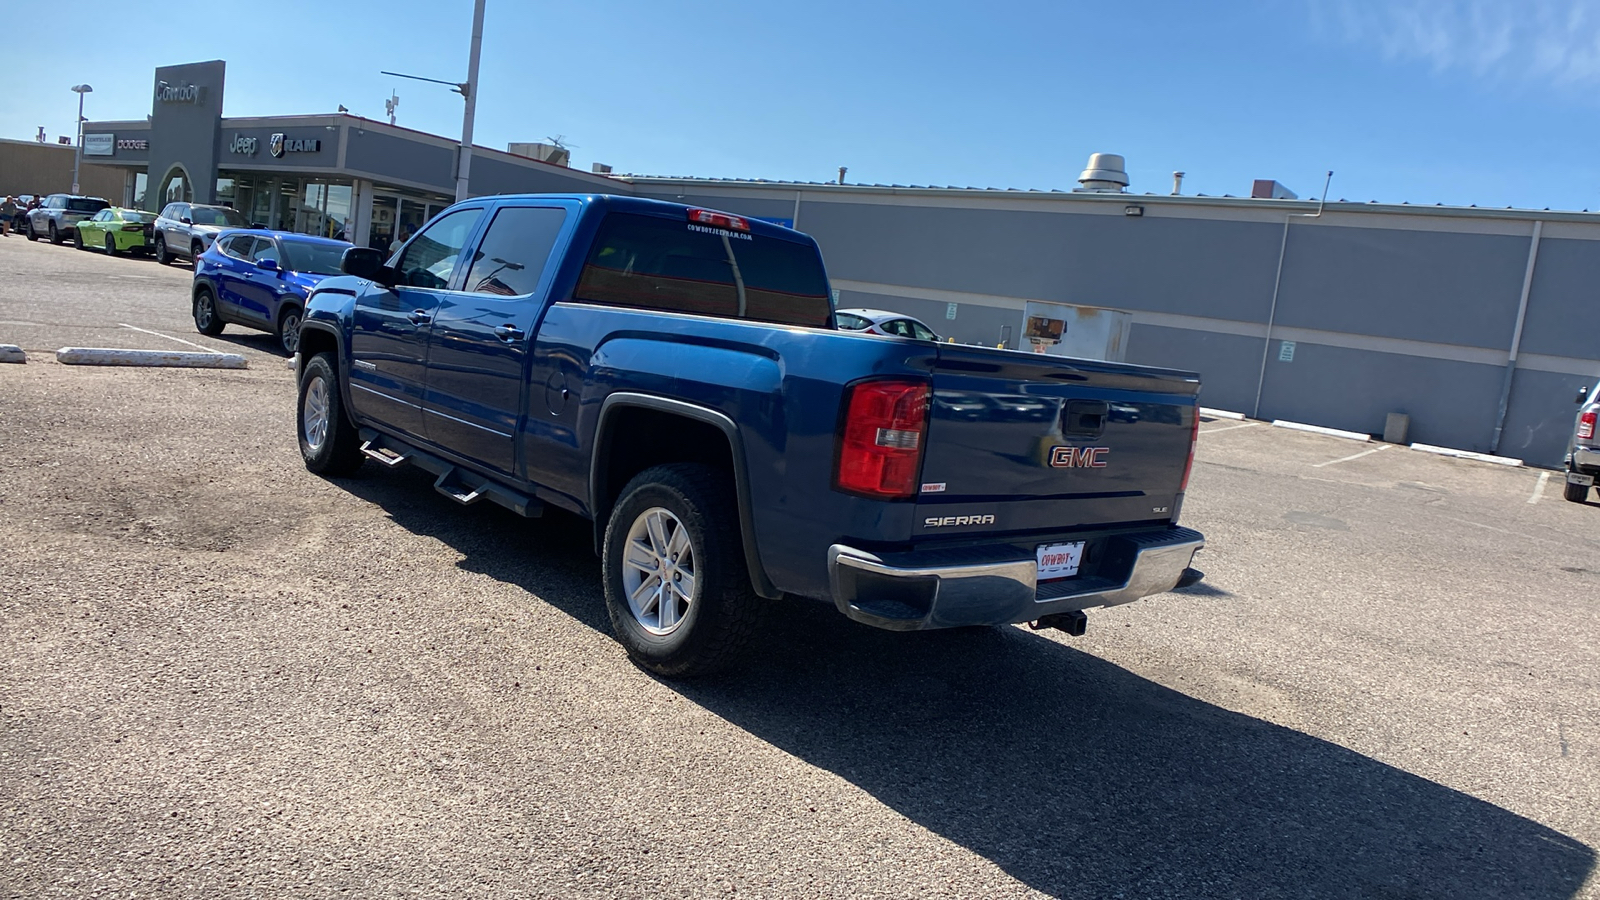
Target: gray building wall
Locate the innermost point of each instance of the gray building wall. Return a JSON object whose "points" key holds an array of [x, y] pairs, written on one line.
{"points": [[1390, 310]]}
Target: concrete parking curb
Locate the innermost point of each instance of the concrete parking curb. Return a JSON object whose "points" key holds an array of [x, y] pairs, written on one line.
{"points": [[1318, 429], [106, 356], [1220, 413], [1468, 454], [11, 353]]}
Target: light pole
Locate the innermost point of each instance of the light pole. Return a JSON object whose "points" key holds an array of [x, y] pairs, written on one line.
{"points": [[469, 91], [77, 159]]}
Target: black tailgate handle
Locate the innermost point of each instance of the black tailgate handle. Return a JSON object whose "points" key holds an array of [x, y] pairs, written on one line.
{"points": [[1084, 417]]}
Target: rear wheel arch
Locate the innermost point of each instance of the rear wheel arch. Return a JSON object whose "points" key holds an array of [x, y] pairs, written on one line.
{"points": [[710, 438]]}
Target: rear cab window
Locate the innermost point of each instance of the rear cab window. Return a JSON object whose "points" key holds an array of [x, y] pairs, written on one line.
{"points": [[511, 258], [675, 265], [85, 205]]}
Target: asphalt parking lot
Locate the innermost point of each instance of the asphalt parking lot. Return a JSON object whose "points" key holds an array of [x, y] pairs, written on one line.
{"points": [[221, 676]]}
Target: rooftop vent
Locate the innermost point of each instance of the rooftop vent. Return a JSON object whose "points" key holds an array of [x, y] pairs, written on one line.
{"points": [[1268, 189], [1107, 172], [549, 153], [600, 169]]}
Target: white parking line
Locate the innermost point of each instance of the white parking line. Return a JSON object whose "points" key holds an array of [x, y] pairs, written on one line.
{"points": [[168, 337], [1229, 428], [1538, 489], [1352, 456]]}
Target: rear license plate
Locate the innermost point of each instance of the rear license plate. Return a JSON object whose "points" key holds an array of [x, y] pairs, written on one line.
{"points": [[1059, 560], [1585, 480]]}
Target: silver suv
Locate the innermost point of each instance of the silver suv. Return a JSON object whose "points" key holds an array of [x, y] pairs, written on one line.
{"points": [[1583, 457], [187, 229], [58, 215]]}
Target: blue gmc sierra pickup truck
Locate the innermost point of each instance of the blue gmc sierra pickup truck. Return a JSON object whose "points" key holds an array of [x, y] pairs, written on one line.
{"points": [[673, 375]]}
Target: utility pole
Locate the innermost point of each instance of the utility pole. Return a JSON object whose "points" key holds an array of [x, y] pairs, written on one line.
{"points": [[469, 90]]}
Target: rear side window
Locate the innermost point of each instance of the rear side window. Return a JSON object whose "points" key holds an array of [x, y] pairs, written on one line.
{"points": [[651, 262], [238, 247], [513, 253], [850, 321], [81, 204]]}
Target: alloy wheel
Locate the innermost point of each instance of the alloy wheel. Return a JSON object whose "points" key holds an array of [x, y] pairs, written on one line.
{"points": [[658, 570], [314, 417]]}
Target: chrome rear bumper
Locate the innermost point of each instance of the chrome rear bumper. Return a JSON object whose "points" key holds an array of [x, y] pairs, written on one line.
{"points": [[985, 586], [1586, 458]]}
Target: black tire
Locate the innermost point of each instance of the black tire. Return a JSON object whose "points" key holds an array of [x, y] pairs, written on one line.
{"points": [[206, 319], [55, 234], [721, 616], [32, 235], [195, 249], [339, 453], [77, 240], [288, 332], [111, 245], [1577, 493], [162, 256]]}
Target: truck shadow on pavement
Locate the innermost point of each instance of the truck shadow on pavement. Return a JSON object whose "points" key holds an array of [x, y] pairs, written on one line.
{"points": [[1075, 776]]}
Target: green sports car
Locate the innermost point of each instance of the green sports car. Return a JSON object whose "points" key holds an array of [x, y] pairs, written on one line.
{"points": [[117, 230]]}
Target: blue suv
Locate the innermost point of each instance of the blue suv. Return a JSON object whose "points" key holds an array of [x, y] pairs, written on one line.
{"points": [[260, 279]]}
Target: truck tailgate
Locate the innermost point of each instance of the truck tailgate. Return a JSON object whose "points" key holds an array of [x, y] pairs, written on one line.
{"points": [[1050, 444]]}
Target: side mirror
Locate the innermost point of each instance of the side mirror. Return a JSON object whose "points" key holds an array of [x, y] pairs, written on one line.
{"points": [[1583, 394], [186, 220], [260, 225], [365, 262], [267, 264]]}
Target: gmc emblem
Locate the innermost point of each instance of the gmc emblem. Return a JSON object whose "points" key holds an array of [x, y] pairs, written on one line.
{"points": [[1078, 457]]}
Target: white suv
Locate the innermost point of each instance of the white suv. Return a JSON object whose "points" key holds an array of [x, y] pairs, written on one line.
{"points": [[187, 229], [58, 216]]}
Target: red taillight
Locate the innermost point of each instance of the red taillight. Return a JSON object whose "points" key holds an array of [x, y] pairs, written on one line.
{"points": [[1586, 423], [132, 228], [1194, 441], [718, 220], [880, 445]]}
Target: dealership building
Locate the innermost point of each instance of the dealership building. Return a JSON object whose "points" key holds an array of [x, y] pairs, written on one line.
{"points": [[1476, 325]]}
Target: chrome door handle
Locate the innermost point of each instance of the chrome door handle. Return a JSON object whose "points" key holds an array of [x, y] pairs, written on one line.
{"points": [[508, 333], [420, 317]]}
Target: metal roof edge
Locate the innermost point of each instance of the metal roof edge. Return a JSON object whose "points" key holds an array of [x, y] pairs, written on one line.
{"points": [[1125, 199]]}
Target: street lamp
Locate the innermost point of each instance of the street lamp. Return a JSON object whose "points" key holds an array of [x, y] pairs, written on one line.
{"points": [[77, 159], [469, 91]]}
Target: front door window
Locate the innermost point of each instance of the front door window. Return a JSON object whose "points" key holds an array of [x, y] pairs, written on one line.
{"points": [[430, 260]]}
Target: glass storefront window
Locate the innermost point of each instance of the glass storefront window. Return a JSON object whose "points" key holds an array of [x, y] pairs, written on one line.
{"points": [[385, 211], [327, 208], [141, 184]]}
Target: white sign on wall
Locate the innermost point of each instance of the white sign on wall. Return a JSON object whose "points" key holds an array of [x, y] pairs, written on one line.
{"points": [[99, 144]]}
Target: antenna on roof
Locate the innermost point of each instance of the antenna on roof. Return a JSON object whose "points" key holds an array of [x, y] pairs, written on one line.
{"points": [[390, 105], [1324, 201]]}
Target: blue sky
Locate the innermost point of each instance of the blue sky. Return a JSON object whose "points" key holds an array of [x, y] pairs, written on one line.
{"points": [[1487, 102]]}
